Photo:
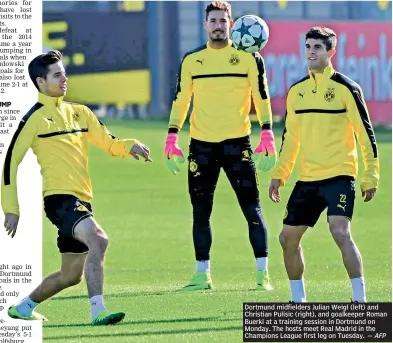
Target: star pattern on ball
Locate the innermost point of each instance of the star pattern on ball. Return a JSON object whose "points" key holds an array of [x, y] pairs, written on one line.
{"points": [[243, 29], [259, 41]]}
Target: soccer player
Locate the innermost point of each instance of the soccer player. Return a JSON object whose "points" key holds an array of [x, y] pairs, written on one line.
{"points": [[59, 132], [222, 79], [326, 117]]}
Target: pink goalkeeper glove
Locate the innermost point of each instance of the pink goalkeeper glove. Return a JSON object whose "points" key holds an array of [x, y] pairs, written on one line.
{"points": [[173, 153], [265, 156]]}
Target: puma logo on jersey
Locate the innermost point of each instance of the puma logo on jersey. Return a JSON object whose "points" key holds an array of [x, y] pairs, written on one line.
{"points": [[200, 61], [342, 207], [302, 95]]}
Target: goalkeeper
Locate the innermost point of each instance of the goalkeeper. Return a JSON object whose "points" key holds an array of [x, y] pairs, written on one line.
{"points": [[222, 79]]}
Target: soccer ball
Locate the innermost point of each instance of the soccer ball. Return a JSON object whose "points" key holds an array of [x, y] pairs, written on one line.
{"points": [[250, 33]]}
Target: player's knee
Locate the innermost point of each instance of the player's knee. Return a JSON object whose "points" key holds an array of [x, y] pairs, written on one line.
{"points": [[71, 278], [201, 223], [74, 280], [253, 215], [288, 239], [201, 212], [341, 234], [340, 229], [99, 240], [90, 233], [102, 242], [282, 237]]}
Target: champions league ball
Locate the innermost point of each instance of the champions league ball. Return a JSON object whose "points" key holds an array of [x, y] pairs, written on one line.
{"points": [[250, 33]]}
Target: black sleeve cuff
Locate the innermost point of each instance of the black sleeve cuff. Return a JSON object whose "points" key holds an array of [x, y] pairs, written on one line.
{"points": [[266, 126], [173, 130]]}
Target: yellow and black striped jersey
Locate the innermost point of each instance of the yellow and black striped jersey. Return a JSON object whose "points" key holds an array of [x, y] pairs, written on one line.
{"points": [[326, 116], [58, 133], [221, 82]]}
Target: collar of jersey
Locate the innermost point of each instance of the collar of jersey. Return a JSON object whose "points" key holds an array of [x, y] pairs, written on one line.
{"points": [[327, 74], [49, 100], [222, 49]]}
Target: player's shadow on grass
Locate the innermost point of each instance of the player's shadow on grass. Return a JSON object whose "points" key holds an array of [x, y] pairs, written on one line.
{"points": [[144, 333], [143, 294], [113, 295], [154, 321]]}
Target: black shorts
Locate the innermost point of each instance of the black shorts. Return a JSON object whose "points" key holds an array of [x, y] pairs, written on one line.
{"points": [[309, 199], [65, 212]]}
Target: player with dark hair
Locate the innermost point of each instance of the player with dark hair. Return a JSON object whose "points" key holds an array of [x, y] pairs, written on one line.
{"points": [[326, 117], [222, 79], [58, 133]]}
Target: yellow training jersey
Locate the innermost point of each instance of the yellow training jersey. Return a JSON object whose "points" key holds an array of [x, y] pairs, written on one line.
{"points": [[58, 133], [325, 117], [221, 81]]}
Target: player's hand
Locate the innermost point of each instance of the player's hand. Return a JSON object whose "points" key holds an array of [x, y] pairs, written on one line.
{"points": [[11, 223], [369, 194], [173, 153], [141, 150], [265, 156], [274, 190]]}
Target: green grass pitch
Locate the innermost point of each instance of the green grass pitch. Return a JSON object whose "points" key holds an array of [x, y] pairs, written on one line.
{"points": [[147, 214]]}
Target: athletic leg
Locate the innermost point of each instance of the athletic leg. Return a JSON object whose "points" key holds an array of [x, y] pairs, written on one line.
{"points": [[203, 173]]}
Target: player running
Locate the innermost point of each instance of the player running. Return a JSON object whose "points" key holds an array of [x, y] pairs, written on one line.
{"points": [[59, 132]]}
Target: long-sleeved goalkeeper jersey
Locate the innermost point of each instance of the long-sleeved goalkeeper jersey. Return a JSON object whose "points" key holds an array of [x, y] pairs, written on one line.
{"points": [[58, 133], [325, 116], [221, 81]]}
